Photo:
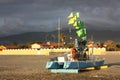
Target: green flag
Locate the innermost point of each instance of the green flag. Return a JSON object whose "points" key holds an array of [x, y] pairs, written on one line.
{"points": [[81, 32], [84, 31], [80, 24], [77, 27], [75, 24], [84, 38]]}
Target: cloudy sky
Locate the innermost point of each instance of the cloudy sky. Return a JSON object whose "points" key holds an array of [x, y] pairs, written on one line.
{"points": [[19, 16]]}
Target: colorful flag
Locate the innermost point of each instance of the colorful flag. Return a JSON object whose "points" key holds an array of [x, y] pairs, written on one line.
{"points": [[84, 38], [81, 23], [77, 27], [71, 21], [81, 32], [75, 24], [78, 24], [84, 31], [71, 15], [77, 15]]}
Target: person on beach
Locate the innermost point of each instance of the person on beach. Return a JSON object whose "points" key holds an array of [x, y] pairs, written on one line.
{"points": [[74, 54]]}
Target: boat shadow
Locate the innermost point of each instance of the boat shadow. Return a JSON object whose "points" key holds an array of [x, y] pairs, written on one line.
{"points": [[112, 64]]}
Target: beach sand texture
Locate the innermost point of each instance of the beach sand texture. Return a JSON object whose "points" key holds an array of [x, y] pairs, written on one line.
{"points": [[18, 67]]}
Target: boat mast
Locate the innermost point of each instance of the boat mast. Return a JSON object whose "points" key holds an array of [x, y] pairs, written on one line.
{"points": [[70, 33], [59, 32], [92, 44]]}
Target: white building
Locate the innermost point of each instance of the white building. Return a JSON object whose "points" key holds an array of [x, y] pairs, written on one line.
{"points": [[35, 46]]}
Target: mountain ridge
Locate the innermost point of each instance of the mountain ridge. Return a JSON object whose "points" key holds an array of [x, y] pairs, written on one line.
{"points": [[98, 35]]}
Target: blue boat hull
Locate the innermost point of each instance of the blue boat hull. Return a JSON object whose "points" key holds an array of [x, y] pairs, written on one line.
{"points": [[74, 64], [82, 64], [54, 65]]}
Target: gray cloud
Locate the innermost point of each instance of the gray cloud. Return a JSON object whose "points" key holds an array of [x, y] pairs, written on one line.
{"points": [[17, 16]]}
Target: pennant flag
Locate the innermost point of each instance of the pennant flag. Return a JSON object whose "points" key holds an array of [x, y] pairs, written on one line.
{"points": [[71, 15], [84, 38], [85, 31], [81, 23], [75, 24], [71, 21], [77, 15], [81, 32], [78, 24], [75, 18], [77, 27]]}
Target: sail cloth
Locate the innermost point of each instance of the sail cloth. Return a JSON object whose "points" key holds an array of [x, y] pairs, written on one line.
{"points": [[78, 24]]}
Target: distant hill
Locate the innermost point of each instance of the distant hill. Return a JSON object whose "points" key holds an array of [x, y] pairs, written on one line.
{"points": [[98, 35]]}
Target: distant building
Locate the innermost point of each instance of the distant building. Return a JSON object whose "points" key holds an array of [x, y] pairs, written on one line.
{"points": [[90, 44], [7, 47], [35, 46], [56, 45], [2, 47], [45, 45], [11, 47]]}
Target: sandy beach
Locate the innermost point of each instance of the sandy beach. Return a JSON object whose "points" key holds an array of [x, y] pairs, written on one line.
{"points": [[23, 67]]}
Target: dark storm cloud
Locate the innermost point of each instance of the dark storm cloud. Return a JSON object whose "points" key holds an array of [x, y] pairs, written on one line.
{"points": [[18, 16]]}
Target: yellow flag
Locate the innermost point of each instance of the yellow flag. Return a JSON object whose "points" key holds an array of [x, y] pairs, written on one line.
{"points": [[75, 18], [71, 15], [75, 24], [71, 21]]}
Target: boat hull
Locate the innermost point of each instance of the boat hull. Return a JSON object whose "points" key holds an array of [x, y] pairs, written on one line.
{"points": [[74, 64], [82, 64], [54, 65]]}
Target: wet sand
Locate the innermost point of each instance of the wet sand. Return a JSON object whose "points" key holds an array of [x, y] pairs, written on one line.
{"points": [[33, 68]]}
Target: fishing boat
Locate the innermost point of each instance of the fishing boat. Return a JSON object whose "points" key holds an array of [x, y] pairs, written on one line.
{"points": [[79, 57], [64, 63]]}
